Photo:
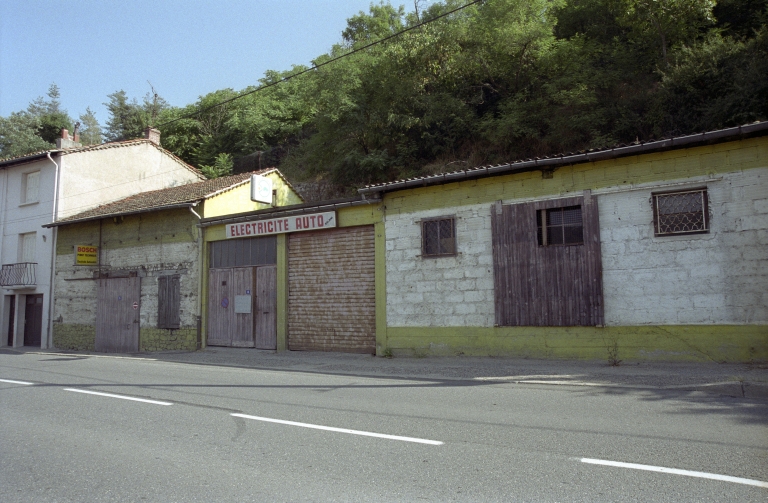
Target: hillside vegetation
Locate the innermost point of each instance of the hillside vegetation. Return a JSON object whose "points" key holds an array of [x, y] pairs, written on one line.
{"points": [[497, 81]]}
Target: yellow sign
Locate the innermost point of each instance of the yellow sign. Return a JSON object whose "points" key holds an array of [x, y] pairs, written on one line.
{"points": [[86, 255]]}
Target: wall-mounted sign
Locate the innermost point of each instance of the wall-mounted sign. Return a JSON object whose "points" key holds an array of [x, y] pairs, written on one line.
{"points": [[86, 255], [261, 189], [296, 223]]}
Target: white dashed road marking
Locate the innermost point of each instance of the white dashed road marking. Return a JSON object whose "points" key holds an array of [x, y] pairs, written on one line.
{"points": [[110, 395], [17, 382], [675, 471], [341, 430]]}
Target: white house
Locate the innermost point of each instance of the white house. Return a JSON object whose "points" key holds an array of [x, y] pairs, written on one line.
{"points": [[44, 187]]}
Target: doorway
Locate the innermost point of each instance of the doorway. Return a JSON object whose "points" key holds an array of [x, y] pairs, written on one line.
{"points": [[33, 320]]}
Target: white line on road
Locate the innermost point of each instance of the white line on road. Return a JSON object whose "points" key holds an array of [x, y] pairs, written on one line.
{"points": [[341, 430], [675, 471], [110, 395], [17, 382]]}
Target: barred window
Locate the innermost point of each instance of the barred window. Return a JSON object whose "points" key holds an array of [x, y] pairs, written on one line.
{"points": [[438, 237], [682, 212], [560, 226]]}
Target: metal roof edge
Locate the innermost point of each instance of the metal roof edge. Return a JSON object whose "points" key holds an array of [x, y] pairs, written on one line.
{"points": [[727, 134]]}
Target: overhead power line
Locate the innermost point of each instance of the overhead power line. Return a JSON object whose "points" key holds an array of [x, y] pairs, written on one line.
{"points": [[315, 67]]}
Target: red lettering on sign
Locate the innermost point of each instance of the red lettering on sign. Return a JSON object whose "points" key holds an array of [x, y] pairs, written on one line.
{"points": [[305, 222], [247, 229], [297, 222], [270, 226], [320, 222], [285, 224], [261, 227]]}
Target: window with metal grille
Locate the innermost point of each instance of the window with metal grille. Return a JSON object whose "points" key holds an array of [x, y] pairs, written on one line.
{"points": [[681, 212], [560, 226], [169, 301], [438, 237]]}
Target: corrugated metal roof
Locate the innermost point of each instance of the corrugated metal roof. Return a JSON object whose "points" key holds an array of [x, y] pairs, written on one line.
{"points": [[89, 148], [553, 161], [172, 197]]}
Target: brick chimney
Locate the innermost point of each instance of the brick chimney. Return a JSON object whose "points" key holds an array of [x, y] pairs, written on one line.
{"points": [[66, 142], [152, 135]]}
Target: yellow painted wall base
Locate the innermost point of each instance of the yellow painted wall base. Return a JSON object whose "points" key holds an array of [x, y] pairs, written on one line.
{"points": [[695, 343]]}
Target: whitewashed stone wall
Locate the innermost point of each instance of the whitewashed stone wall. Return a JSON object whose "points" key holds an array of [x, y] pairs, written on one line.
{"points": [[715, 278], [76, 291]]}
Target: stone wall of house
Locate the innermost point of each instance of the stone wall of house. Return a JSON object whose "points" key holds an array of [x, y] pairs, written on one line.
{"points": [[720, 277], [149, 246], [440, 291], [716, 278]]}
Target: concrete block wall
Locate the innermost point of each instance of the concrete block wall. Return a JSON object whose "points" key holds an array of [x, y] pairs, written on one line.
{"points": [[440, 291], [715, 278]]}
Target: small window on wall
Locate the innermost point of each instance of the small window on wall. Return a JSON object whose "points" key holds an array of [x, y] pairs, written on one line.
{"points": [[30, 187], [682, 212], [438, 237], [560, 226]]}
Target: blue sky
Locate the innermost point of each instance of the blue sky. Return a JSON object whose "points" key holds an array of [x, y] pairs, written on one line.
{"points": [[92, 48]]}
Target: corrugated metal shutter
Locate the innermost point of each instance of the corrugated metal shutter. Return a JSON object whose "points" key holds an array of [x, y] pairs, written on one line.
{"points": [[331, 291]]}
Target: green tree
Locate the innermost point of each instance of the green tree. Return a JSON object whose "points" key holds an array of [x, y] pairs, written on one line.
{"points": [[19, 135], [222, 166], [90, 134], [128, 119], [52, 118]]}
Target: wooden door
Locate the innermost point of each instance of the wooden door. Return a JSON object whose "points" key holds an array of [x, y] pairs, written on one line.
{"points": [[219, 300], [33, 320], [242, 314], [266, 307], [117, 315]]}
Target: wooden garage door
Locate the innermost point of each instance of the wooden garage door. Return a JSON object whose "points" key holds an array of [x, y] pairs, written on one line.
{"points": [[118, 315], [331, 294]]}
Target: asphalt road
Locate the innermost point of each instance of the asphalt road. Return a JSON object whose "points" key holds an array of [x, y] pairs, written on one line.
{"points": [[211, 433]]}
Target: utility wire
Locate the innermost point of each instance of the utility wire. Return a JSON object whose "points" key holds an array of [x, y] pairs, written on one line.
{"points": [[315, 67]]}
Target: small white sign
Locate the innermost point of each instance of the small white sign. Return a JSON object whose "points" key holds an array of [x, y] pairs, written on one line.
{"points": [[261, 189], [295, 223], [243, 304]]}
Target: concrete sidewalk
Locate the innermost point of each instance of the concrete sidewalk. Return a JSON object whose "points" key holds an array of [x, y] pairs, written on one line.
{"points": [[735, 380]]}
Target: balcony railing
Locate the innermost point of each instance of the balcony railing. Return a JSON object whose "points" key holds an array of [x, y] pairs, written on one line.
{"points": [[21, 274]]}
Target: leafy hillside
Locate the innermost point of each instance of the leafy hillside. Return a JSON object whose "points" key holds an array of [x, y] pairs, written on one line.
{"points": [[496, 81]]}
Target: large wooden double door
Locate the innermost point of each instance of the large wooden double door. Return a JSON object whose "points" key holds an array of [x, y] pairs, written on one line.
{"points": [[242, 307]]}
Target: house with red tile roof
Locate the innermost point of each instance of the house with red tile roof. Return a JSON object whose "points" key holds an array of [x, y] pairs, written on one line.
{"points": [[42, 187]]}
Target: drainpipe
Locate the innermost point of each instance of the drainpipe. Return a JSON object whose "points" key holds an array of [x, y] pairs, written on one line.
{"points": [[200, 256], [55, 235]]}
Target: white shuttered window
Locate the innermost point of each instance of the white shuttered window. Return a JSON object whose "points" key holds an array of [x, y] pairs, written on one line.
{"points": [[27, 247]]}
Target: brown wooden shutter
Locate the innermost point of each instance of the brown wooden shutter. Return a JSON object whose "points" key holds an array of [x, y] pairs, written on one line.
{"points": [[546, 285], [168, 302]]}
